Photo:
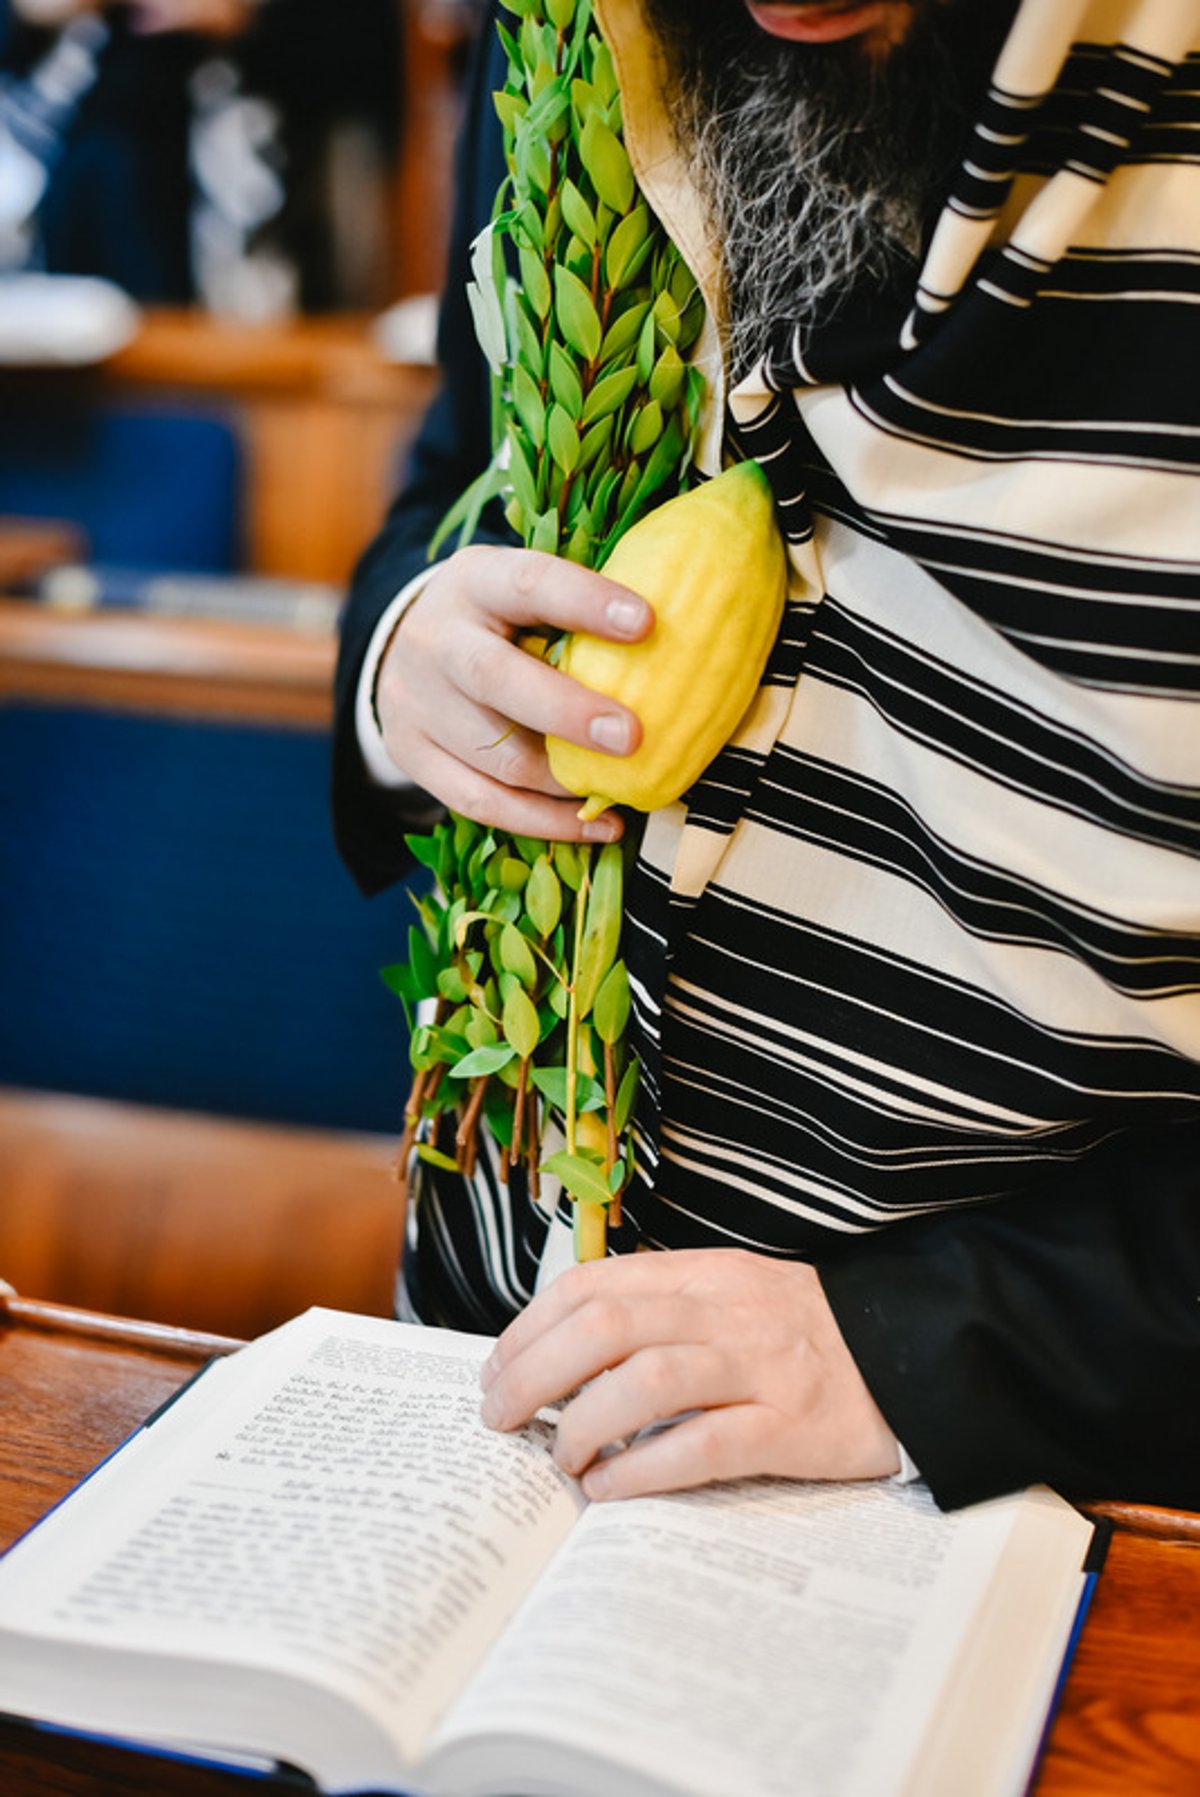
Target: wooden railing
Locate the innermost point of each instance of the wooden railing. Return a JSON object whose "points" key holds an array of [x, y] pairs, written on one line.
{"points": [[197, 667]]}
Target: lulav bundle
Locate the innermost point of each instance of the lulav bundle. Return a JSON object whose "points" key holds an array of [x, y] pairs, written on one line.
{"points": [[586, 312]]}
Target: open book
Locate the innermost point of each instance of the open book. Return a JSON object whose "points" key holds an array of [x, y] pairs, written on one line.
{"points": [[317, 1555]]}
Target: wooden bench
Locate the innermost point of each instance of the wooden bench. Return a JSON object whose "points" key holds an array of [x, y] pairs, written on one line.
{"points": [[216, 1223]]}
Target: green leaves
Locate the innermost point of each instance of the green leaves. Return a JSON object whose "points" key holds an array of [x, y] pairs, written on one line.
{"points": [[581, 1177], [610, 1013], [481, 1063], [607, 164], [602, 926], [627, 247], [516, 956], [586, 313], [608, 394], [530, 406], [578, 215], [521, 1026], [563, 439], [535, 282], [577, 316], [543, 897]]}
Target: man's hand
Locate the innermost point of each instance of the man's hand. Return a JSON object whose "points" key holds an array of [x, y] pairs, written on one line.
{"points": [[747, 1342], [465, 712]]}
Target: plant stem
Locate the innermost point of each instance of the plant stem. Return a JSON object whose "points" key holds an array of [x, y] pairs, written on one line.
{"points": [[590, 1230], [581, 897], [514, 1152], [464, 1135], [610, 1130], [534, 1149]]}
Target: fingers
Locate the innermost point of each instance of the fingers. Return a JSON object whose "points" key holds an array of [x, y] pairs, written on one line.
{"points": [[504, 751], [453, 683], [522, 587], [493, 671], [605, 1332], [476, 795], [631, 1276], [718, 1444], [653, 1386]]}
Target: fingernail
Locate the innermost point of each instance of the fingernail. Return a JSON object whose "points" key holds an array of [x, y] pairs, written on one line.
{"points": [[598, 1483], [610, 731], [626, 615], [492, 1411], [488, 1370], [600, 830]]}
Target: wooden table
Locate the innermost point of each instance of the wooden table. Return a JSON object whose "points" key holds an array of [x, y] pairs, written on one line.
{"points": [[190, 667], [73, 1386]]}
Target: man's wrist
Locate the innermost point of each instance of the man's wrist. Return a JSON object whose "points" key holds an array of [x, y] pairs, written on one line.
{"points": [[367, 727]]}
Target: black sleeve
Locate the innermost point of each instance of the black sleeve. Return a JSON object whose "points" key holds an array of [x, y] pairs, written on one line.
{"points": [[452, 447], [1053, 1337]]}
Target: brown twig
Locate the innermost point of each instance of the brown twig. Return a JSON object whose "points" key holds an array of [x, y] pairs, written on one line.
{"points": [[514, 1152], [533, 1150], [464, 1135]]}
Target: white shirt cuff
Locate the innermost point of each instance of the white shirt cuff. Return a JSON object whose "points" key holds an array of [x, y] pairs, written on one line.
{"points": [[909, 1472], [379, 764]]}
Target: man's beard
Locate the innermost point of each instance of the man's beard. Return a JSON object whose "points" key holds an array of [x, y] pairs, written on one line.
{"points": [[821, 165]]}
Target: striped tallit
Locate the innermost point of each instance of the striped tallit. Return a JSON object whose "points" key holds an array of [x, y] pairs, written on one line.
{"points": [[929, 927]]}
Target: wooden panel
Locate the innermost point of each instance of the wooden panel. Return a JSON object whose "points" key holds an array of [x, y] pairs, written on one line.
{"points": [[28, 546], [1129, 1725], [69, 1400], [323, 474], [199, 667], [213, 1224], [332, 358], [1152, 1521], [323, 419], [437, 37]]}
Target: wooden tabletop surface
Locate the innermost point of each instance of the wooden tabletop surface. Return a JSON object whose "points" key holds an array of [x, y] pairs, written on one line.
{"points": [[197, 667], [73, 1387]]}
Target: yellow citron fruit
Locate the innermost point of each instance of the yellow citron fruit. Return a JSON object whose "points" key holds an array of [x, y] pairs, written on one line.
{"points": [[713, 566]]}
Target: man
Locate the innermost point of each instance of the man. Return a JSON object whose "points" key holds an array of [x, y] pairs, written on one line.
{"points": [[916, 966]]}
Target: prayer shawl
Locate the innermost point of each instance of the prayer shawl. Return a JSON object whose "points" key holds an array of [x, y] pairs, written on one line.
{"points": [[929, 928]]}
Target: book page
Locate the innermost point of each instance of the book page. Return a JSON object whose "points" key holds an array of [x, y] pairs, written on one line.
{"points": [[332, 1508], [766, 1638]]}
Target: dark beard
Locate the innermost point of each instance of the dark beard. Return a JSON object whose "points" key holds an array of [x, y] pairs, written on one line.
{"points": [[822, 165]]}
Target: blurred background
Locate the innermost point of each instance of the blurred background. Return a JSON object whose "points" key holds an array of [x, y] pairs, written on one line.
{"points": [[222, 234]]}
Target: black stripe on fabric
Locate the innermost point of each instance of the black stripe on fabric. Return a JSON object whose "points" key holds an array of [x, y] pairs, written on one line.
{"points": [[819, 803], [1094, 665], [770, 439], [1053, 570], [1157, 601], [457, 1280], [1108, 92], [916, 1054], [1081, 630], [1095, 377], [997, 735], [989, 436], [1136, 276], [845, 1121], [996, 151]]}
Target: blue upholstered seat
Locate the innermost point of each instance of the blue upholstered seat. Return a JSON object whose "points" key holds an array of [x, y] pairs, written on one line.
{"points": [[151, 488], [175, 927]]}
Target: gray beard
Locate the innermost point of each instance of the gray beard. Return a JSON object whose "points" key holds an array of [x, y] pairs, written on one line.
{"points": [[821, 166]]}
